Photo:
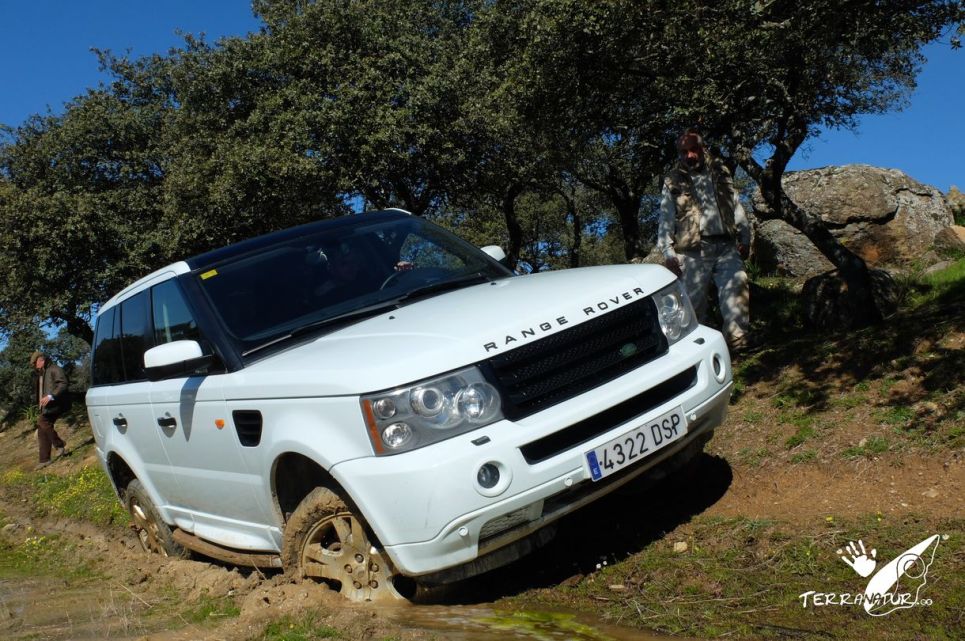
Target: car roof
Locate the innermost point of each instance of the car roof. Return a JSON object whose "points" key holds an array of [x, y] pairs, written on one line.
{"points": [[267, 240]]}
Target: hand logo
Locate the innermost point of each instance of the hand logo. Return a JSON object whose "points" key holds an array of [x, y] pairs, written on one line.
{"points": [[860, 562]]}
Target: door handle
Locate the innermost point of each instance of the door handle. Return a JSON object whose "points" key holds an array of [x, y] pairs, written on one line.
{"points": [[167, 421], [120, 421]]}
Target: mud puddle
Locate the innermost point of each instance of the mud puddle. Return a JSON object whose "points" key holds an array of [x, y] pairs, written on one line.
{"points": [[50, 608], [482, 623]]}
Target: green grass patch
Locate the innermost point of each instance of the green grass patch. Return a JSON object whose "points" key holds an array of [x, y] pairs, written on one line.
{"points": [[946, 283], [303, 628], [753, 416], [86, 495], [754, 457], [872, 446], [898, 415], [41, 555], [804, 457], [803, 434], [211, 608], [849, 401]]}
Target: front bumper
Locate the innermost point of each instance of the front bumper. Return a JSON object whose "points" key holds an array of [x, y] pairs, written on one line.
{"points": [[429, 513]]}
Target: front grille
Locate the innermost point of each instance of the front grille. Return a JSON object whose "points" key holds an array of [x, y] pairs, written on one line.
{"points": [[589, 428], [568, 363]]}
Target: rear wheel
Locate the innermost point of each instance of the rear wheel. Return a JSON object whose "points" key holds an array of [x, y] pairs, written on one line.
{"points": [[325, 540], [153, 534]]}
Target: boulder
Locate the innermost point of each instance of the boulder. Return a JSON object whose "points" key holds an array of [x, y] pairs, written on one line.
{"points": [[827, 306], [782, 249], [883, 215], [951, 239]]}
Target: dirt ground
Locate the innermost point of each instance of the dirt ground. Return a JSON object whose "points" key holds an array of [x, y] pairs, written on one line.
{"points": [[810, 440]]}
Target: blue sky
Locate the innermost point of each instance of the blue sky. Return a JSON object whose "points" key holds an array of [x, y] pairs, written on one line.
{"points": [[45, 45]]}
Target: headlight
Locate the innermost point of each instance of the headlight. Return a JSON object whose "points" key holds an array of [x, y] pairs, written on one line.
{"points": [[429, 411], [676, 315]]}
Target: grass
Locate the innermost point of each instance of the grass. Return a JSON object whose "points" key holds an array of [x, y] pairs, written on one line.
{"points": [[929, 288], [303, 628], [754, 457], [42, 555], [744, 577], [804, 457], [85, 495], [209, 608], [898, 415], [803, 434], [872, 446]]}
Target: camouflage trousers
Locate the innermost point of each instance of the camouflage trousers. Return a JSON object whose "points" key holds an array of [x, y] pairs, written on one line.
{"points": [[718, 259]]}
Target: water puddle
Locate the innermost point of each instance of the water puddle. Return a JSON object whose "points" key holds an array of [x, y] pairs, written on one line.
{"points": [[481, 623]]}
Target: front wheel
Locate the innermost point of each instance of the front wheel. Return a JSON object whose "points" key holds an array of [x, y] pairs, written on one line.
{"points": [[325, 540], [153, 533]]}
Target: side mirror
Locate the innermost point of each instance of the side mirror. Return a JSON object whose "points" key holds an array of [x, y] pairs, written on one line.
{"points": [[495, 252], [178, 358]]}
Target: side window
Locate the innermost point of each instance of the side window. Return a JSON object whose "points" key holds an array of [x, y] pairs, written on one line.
{"points": [[172, 318], [136, 335], [106, 368]]}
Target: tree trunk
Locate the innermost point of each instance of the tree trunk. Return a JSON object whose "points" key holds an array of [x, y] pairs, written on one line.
{"points": [[81, 329], [574, 213], [512, 224], [628, 210], [577, 239]]}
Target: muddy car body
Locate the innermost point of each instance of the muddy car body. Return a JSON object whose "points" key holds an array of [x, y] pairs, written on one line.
{"points": [[427, 416]]}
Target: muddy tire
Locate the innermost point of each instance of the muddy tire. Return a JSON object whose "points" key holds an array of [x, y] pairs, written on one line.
{"points": [[153, 534], [325, 540]]}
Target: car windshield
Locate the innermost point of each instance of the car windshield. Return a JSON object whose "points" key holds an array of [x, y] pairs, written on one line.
{"points": [[337, 276]]}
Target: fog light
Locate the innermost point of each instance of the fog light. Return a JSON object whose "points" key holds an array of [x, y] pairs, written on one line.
{"points": [[718, 366], [396, 435], [488, 476]]}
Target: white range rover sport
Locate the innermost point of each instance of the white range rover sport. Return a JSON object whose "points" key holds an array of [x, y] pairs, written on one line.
{"points": [[370, 398]]}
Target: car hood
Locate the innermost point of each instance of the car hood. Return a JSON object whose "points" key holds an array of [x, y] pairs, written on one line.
{"points": [[448, 331]]}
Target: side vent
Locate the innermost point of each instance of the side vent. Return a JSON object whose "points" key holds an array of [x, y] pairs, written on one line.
{"points": [[248, 424]]}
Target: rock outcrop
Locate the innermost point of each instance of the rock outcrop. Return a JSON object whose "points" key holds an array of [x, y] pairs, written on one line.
{"points": [[883, 215]]}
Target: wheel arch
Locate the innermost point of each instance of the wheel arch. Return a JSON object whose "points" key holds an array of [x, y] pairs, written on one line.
{"points": [[293, 477], [120, 472]]}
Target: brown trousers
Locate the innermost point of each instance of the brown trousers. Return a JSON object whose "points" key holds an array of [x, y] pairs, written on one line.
{"points": [[47, 436]]}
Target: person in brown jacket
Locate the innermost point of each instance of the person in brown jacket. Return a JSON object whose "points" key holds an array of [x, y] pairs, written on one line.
{"points": [[51, 392]]}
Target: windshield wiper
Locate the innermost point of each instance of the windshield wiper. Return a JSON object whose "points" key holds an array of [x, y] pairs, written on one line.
{"points": [[444, 286], [356, 314]]}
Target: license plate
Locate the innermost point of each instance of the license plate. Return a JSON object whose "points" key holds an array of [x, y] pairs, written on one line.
{"points": [[636, 444]]}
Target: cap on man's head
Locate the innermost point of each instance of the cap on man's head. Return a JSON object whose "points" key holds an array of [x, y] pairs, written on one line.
{"points": [[34, 357]]}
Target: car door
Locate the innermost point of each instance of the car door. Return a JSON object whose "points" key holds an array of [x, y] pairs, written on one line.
{"points": [[131, 415], [191, 416]]}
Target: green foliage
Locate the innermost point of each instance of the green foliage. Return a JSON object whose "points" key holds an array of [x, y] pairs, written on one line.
{"points": [[542, 124]]}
